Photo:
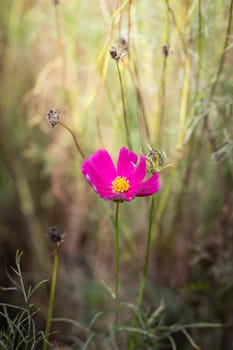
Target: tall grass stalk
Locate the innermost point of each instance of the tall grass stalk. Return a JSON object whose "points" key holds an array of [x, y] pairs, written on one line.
{"points": [[207, 126], [142, 118], [60, 45], [51, 300], [186, 84], [183, 113], [193, 140], [224, 48], [199, 46], [28, 209], [175, 22], [103, 58], [129, 22], [103, 64], [159, 119], [184, 102]]}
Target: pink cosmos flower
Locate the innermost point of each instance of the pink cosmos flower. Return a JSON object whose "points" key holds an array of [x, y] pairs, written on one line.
{"points": [[121, 183]]}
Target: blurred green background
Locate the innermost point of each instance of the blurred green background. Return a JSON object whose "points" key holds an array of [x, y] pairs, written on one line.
{"points": [[177, 80]]}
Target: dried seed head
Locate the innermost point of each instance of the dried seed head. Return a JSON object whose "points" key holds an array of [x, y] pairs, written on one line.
{"points": [[117, 53], [53, 117], [113, 53], [166, 50], [55, 236]]}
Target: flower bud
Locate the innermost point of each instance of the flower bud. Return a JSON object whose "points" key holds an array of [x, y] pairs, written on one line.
{"points": [[156, 160]]}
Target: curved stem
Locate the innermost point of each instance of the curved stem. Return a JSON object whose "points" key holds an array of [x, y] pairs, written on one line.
{"points": [[147, 256], [74, 138], [51, 301], [116, 262]]}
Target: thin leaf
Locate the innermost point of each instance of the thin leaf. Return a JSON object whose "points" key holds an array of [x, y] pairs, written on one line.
{"points": [[67, 320], [190, 339], [156, 313], [89, 339], [173, 344], [94, 319]]}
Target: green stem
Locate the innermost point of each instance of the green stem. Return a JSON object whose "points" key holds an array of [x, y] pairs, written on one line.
{"points": [[74, 138], [147, 256], [51, 301], [116, 263], [124, 107]]}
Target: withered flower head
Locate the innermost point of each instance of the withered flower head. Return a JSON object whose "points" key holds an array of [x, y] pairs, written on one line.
{"points": [[117, 53], [53, 117], [55, 236], [166, 50]]}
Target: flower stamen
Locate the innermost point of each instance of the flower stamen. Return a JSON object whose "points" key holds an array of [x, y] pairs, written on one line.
{"points": [[120, 184]]}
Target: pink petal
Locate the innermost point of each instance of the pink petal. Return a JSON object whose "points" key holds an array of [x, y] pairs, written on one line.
{"points": [[126, 162], [94, 177], [149, 187], [99, 170], [103, 163], [132, 193], [140, 171]]}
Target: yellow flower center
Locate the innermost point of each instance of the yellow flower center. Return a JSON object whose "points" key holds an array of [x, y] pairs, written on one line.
{"points": [[120, 184]]}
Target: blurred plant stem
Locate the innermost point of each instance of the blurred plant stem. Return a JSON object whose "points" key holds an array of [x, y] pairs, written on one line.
{"points": [[74, 138], [224, 50], [103, 64], [142, 118], [199, 47], [137, 85], [184, 102], [186, 83], [124, 107], [208, 129], [129, 23], [61, 50], [147, 255], [175, 22], [51, 300], [116, 262], [187, 68], [193, 140], [182, 120], [159, 118], [28, 209], [18, 174]]}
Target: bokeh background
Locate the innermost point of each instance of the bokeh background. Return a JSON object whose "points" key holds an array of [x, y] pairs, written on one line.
{"points": [[177, 81]]}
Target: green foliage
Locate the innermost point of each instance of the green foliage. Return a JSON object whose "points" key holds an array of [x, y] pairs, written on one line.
{"points": [[20, 330]]}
